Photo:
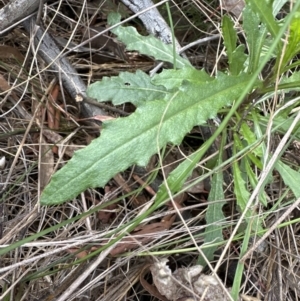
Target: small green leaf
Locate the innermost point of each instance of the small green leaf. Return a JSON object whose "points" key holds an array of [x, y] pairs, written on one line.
{"points": [[256, 35], [249, 174], [290, 177], [214, 214], [229, 36], [241, 191], [291, 83], [147, 45], [236, 55], [133, 140], [238, 59], [250, 137], [253, 181], [127, 87], [113, 18], [293, 78]]}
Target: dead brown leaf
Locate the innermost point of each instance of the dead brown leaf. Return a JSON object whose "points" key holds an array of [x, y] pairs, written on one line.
{"points": [[233, 6], [141, 237], [105, 214], [46, 164], [80, 255], [8, 52]]}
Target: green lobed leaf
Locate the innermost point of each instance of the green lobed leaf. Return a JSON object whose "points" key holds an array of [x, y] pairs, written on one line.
{"points": [[126, 87], [134, 139], [171, 78], [293, 78], [147, 45]]}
